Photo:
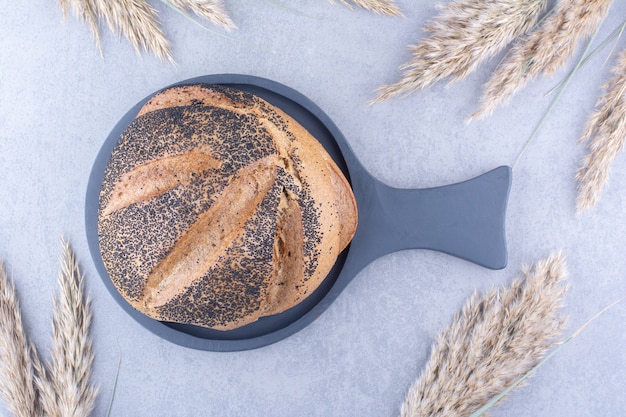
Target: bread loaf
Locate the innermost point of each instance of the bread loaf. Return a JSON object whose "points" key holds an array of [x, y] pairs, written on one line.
{"points": [[217, 208]]}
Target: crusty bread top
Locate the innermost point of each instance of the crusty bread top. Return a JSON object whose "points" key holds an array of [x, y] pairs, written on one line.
{"points": [[215, 95], [218, 208]]}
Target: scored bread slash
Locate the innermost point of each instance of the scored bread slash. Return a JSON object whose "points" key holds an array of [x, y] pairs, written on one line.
{"points": [[203, 243], [217, 208], [156, 177]]}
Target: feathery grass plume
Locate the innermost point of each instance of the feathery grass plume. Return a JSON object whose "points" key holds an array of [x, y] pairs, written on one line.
{"points": [[387, 7], [465, 33], [544, 50], [606, 134], [494, 340], [211, 10], [45, 390], [17, 374], [65, 390], [136, 20], [86, 10], [554, 351]]}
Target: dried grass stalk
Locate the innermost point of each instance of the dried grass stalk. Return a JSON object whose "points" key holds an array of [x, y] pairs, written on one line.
{"points": [[17, 375], [464, 34], [493, 341], [211, 10], [387, 7], [87, 11], [606, 134], [66, 390], [134, 19], [544, 50], [137, 21], [27, 386], [45, 389]]}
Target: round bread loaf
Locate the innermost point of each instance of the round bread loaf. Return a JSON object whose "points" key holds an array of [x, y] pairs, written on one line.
{"points": [[217, 208]]}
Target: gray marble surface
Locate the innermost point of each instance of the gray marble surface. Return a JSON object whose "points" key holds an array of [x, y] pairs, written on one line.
{"points": [[59, 99]]}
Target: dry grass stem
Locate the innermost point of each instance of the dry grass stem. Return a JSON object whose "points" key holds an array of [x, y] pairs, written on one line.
{"points": [[387, 7], [464, 34], [606, 134], [494, 340], [211, 10], [69, 392], [17, 375], [544, 50]]}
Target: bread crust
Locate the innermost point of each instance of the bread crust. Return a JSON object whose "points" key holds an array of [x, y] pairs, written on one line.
{"points": [[217, 208]]}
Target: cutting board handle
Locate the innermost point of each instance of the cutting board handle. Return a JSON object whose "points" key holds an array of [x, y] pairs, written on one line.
{"points": [[466, 220]]}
